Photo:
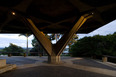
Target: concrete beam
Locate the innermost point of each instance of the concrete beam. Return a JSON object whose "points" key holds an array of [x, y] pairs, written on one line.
{"points": [[44, 41], [25, 4], [61, 44], [10, 18]]}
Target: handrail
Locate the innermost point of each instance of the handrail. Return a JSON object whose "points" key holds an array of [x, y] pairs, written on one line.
{"points": [[16, 52], [109, 56]]}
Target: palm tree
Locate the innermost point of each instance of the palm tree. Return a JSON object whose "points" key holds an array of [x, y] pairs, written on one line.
{"points": [[26, 35]]}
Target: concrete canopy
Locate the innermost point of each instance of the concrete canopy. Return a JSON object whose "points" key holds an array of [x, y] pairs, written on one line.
{"points": [[55, 16]]}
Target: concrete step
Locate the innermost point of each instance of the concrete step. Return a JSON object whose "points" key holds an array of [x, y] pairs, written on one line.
{"points": [[2, 62], [6, 68]]}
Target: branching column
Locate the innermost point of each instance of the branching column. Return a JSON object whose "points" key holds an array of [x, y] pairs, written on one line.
{"points": [[54, 51]]}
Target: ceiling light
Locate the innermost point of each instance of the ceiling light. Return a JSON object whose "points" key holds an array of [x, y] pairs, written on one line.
{"points": [[13, 13]]}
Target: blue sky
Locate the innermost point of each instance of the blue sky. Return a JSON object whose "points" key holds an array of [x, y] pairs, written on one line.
{"points": [[6, 39]]}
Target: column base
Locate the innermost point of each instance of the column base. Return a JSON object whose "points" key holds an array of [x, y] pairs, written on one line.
{"points": [[54, 59]]}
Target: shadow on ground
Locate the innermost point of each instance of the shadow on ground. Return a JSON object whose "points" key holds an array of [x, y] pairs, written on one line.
{"points": [[51, 71], [92, 63]]}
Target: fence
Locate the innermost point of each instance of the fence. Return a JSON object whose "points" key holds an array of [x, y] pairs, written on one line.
{"points": [[105, 58], [22, 54]]}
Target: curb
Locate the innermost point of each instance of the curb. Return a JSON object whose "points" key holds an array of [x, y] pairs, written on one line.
{"points": [[8, 67]]}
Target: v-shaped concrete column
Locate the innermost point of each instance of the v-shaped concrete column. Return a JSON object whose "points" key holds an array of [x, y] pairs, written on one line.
{"points": [[54, 51]]}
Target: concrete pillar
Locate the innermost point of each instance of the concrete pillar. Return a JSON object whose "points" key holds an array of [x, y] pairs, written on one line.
{"points": [[55, 50], [104, 59], [54, 59]]}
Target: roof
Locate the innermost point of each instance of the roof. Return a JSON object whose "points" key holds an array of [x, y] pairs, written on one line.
{"points": [[55, 16]]}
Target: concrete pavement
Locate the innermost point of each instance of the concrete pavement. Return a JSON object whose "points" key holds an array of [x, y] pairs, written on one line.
{"points": [[67, 69]]}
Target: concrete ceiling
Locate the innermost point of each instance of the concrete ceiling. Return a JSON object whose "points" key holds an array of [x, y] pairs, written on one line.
{"points": [[55, 16]]}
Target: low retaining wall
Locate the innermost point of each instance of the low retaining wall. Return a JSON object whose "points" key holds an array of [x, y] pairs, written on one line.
{"points": [[6, 67], [2, 63]]}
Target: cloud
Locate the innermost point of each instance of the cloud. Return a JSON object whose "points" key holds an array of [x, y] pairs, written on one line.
{"points": [[106, 29], [14, 36], [109, 28], [6, 39]]}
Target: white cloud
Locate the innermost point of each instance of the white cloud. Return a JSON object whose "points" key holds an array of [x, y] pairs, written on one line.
{"points": [[106, 29], [109, 28], [6, 39]]}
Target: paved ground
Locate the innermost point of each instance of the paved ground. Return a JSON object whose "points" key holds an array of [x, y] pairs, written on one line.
{"points": [[73, 67], [51, 71], [92, 63], [18, 60]]}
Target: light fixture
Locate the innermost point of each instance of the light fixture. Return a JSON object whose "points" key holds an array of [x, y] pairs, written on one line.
{"points": [[13, 13]]}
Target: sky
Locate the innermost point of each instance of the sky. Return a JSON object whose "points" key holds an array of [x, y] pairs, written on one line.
{"points": [[109, 28], [6, 39]]}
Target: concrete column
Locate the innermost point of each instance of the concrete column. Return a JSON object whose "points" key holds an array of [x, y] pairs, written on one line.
{"points": [[54, 59], [55, 50]]}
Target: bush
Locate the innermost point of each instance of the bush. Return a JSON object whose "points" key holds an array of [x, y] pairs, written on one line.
{"points": [[14, 50], [95, 46]]}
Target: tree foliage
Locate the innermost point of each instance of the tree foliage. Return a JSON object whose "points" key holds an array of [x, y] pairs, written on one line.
{"points": [[37, 46], [25, 34], [72, 41], [96, 45], [14, 50]]}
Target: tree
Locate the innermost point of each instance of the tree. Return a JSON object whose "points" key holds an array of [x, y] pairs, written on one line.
{"points": [[97, 45], [26, 35], [14, 50], [37, 48], [72, 41], [50, 36]]}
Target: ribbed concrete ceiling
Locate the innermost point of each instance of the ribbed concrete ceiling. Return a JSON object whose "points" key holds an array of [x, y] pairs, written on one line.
{"points": [[55, 16]]}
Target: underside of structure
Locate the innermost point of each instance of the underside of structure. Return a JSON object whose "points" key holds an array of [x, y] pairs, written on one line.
{"points": [[55, 16]]}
